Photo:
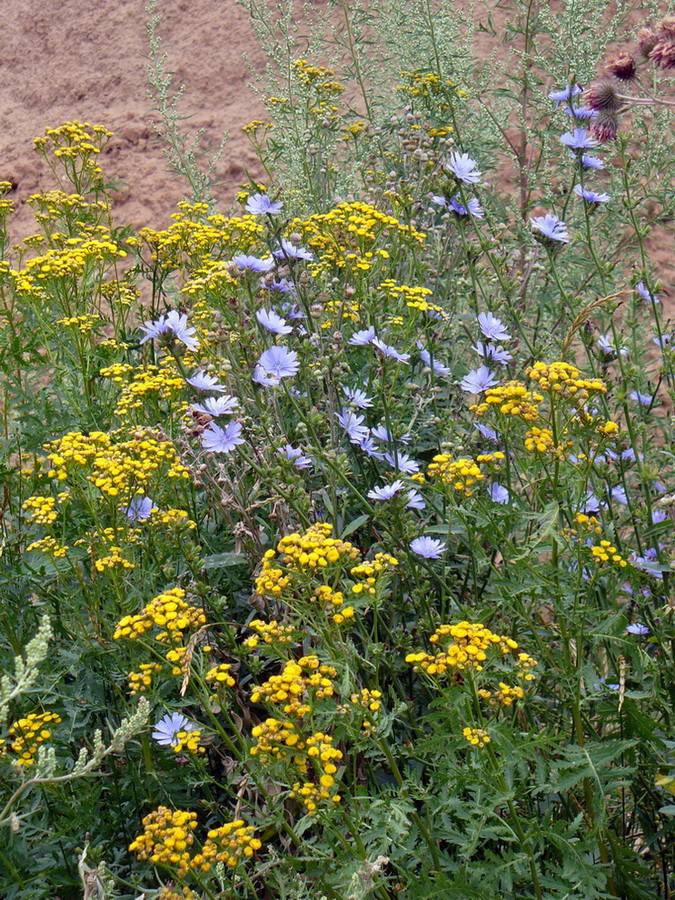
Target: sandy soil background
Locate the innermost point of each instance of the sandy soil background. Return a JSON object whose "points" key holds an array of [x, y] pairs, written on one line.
{"points": [[87, 60]]}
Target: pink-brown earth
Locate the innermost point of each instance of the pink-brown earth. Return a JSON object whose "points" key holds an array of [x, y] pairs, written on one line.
{"points": [[87, 60]]}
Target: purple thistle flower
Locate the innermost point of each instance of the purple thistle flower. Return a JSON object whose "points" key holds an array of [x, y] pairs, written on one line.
{"points": [[222, 440], [464, 168], [551, 228], [478, 380], [498, 493], [289, 251], [217, 406], [428, 548], [295, 456], [593, 198], [386, 491], [273, 322], [275, 364], [169, 727], [389, 351], [579, 139], [363, 337], [260, 204], [358, 398], [492, 327], [201, 381], [253, 263], [140, 508], [353, 425]]}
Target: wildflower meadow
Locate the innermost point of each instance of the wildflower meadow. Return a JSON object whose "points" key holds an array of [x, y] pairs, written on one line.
{"points": [[336, 549]]}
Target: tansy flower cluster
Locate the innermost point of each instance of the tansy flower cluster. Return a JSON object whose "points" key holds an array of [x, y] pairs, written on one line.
{"points": [[295, 684], [117, 469], [166, 839], [283, 741], [414, 297], [461, 474], [220, 674], [77, 145], [510, 399], [25, 736], [228, 844], [503, 696], [173, 616], [269, 632], [606, 552], [140, 681], [345, 237], [195, 236], [477, 737], [564, 380], [541, 440], [154, 383], [41, 510], [316, 553], [466, 646]]}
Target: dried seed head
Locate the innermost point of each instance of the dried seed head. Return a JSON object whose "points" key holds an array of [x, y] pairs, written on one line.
{"points": [[605, 126], [646, 39], [663, 54], [666, 28], [603, 95], [622, 66]]}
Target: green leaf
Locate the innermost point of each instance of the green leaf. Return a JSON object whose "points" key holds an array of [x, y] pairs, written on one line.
{"points": [[222, 560], [353, 526]]}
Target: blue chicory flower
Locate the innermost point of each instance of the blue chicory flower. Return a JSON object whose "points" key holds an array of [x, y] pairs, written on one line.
{"points": [[463, 168], [173, 322], [492, 327], [478, 380], [253, 263], [222, 440], [217, 406], [260, 204], [274, 364], [428, 548], [140, 508], [169, 727], [551, 228], [273, 322], [201, 381]]}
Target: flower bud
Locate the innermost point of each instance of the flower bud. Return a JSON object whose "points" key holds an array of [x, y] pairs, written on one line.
{"points": [[605, 126], [603, 95], [622, 66]]}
